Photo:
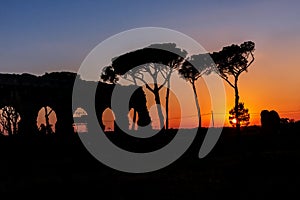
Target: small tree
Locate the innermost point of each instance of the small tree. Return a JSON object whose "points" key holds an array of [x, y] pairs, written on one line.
{"points": [[242, 118], [233, 61]]}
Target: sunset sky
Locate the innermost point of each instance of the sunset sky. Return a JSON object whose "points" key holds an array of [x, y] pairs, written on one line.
{"points": [[44, 36]]}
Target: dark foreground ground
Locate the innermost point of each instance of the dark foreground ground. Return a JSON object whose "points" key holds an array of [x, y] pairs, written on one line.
{"points": [[255, 166]]}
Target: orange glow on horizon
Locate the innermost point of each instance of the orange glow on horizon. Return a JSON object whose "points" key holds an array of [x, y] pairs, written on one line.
{"points": [[271, 83]]}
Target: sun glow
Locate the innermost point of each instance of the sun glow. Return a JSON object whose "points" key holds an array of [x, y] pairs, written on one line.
{"points": [[234, 121]]}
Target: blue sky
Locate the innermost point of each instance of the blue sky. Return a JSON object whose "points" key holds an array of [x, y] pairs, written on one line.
{"points": [[39, 36], [43, 36]]}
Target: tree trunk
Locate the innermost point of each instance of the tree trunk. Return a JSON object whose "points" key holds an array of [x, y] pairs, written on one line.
{"points": [[134, 124], [134, 120], [46, 119], [15, 126], [159, 110], [197, 104], [167, 105], [48, 125], [9, 128], [236, 106]]}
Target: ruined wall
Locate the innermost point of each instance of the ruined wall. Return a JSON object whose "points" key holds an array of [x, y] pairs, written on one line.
{"points": [[28, 94]]}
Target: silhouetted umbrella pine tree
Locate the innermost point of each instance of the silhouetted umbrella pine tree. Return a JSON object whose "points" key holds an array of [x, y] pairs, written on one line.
{"points": [[156, 62], [231, 62], [194, 68]]}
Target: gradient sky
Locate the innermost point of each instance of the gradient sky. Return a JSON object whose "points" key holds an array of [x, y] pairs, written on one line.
{"points": [[40, 36]]}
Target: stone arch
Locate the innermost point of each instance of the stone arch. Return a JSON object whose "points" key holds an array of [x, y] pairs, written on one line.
{"points": [[133, 116], [9, 120], [46, 120], [80, 116], [108, 120]]}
